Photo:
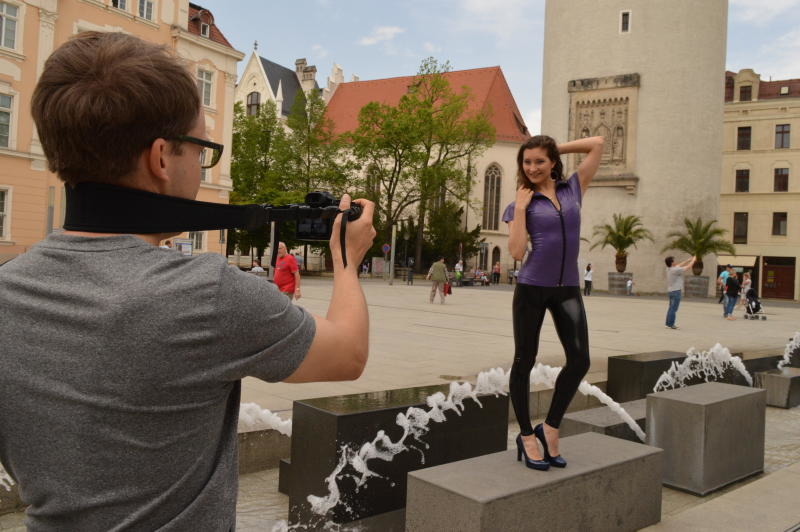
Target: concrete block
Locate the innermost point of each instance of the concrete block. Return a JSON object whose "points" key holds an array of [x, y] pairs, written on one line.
{"points": [[262, 449], [609, 484], [712, 434], [632, 377], [604, 421], [321, 427], [782, 386]]}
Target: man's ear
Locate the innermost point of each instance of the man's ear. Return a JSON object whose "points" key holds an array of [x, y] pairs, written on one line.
{"points": [[157, 161]]}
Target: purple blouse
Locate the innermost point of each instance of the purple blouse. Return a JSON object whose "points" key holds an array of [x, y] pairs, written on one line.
{"points": [[555, 236]]}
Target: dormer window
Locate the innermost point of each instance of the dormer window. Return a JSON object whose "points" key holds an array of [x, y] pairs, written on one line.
{"points": [[745, 93], [205, 29]]}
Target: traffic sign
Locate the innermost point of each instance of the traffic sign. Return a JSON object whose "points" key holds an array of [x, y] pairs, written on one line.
{"points": [[386, 248]]}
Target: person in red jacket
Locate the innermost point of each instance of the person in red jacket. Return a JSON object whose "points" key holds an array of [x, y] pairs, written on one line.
{"points": [[287, 274]]}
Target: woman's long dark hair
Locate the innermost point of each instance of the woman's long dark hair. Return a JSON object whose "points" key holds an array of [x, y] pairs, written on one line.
{"points": [[551, 148]]}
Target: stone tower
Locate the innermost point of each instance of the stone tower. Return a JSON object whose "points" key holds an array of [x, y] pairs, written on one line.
{"points": [[649, 76]]}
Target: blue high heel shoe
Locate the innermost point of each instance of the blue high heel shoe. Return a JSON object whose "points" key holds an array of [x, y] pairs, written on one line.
{"points": [[555, 461], [541, 465]]}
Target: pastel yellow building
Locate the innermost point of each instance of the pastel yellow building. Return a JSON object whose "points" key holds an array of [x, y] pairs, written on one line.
{"points": [[760, 192], [31, 198]]}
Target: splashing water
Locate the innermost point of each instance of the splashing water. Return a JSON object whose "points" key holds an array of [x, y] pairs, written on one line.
{"points": [[791, 348], [5, 479], [708, 365], [253, 417], [415, 421]]}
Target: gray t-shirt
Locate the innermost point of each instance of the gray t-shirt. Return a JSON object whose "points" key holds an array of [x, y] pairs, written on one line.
{"points": [[120, 374], [674, 278]]}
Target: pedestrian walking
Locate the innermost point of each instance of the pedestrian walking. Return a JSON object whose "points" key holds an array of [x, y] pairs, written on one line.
{"points": [[587, 280], [438, 276], [459, 269], [496, 273], [723, 277]]}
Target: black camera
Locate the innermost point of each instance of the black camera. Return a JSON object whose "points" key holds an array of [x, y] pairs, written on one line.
{"points": [[315, 217]]}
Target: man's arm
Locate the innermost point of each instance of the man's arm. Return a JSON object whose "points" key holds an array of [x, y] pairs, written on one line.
{"points": [[297, 284], [688, 263], [340, 347]]}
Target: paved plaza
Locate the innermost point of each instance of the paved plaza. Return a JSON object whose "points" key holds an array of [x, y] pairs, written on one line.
{"points": [[415, 343]]}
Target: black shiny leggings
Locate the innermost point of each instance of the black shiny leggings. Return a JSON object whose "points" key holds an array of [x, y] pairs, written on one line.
{"points": [[566, 308]]}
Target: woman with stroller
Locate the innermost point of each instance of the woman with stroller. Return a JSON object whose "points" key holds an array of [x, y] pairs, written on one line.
{"points": [[546, 213], [746, 284]]}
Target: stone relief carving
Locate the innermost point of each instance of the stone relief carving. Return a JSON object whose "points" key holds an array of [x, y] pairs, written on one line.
{"points": [[608, 118]]}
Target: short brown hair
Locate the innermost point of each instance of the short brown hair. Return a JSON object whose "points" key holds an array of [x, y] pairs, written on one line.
{"points": [[103, 98], [548, 144]]}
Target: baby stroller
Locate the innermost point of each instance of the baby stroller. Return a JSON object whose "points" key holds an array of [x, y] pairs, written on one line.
{"points": [[753, 309]]}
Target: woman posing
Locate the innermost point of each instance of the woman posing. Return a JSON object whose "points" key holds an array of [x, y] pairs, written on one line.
{"points": [[547, 213]]}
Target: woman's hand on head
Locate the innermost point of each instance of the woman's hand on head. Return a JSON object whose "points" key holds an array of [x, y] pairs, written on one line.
{"points": [[524, 197]]}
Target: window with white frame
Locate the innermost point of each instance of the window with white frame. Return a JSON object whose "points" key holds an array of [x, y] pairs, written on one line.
{"points": [[3, 214], [205, 30], [197, 239], [146, 9], [5, 120], [8, 25], [204, 83], [120, 4]]}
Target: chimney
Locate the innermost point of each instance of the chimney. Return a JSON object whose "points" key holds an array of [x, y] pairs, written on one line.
{"points": [[299, 66]]}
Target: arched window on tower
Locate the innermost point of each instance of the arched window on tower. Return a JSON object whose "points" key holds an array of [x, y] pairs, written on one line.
{"points": [[253, 103], [491, 197]]}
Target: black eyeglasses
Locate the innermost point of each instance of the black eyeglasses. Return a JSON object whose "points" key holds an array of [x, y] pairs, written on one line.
{"points": [[210, 154]]}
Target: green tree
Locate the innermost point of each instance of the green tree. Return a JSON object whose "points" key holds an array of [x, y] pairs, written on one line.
{"points": [[254, 169], [310, 157], [445, 235], [625, 232], [415, 153], [699, 239]]}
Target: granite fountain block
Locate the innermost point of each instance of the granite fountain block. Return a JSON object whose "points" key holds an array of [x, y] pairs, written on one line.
{"points": [[322, 427], [712, 434], [782, 386], [609, 484], [603, 420], [632, 377]]}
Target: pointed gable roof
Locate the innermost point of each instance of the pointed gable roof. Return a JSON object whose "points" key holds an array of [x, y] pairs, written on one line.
{"points": [[488, 86], [280, 76]]}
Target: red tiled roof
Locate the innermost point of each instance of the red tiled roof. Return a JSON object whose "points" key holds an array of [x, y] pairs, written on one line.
{"points": [[767, 90], [772, 89], [198, 14], [488, 87]]}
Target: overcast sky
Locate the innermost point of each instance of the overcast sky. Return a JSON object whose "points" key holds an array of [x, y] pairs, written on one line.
{"points": [[378, 39]]}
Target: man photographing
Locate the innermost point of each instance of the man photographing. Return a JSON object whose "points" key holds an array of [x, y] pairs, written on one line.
{"points": [[121, 363]]}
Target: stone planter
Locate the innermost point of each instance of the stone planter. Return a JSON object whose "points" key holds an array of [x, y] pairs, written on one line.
{"points": [[617, 282], [695, 286]]}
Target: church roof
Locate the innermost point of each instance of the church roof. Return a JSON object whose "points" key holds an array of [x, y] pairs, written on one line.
{"points": [[488, 86]]}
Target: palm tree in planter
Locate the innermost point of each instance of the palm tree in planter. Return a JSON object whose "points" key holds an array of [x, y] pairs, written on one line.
{"points": [[625, 232], [699, 239]]}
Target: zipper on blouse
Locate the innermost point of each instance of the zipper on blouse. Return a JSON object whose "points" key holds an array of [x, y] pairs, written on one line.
{"points": [[563, 242]]}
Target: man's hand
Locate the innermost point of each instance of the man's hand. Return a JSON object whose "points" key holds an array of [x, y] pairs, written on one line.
{"points": [[359, 234]]}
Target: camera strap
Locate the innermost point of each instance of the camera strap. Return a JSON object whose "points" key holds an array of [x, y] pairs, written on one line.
{"points": [[105, 208]]}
